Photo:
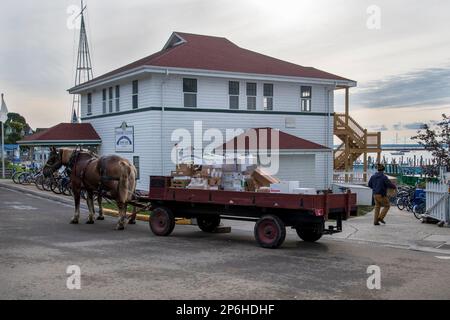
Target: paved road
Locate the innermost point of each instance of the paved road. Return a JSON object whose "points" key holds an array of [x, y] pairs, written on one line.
{"points": [[37, 244]]}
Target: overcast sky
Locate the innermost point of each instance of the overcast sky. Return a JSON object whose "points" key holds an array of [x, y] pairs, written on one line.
{"points": [[402, 68]]}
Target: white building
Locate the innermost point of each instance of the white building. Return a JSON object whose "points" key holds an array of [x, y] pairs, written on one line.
{"points": [[210, 79]]}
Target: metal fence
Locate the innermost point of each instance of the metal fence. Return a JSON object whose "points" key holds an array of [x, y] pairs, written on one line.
{"points": [[438, 201]]}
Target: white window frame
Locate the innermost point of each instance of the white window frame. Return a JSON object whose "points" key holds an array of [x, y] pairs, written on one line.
{"points": [[117, 98], [305, 99], [110, 99], [190, 93], [267, 97], [89, 104], [251, 96], [234, 95], [104, 96], [135, 94]]}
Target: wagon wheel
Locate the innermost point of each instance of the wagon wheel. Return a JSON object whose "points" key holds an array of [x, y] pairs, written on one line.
{"points": [[270, 232], [310, 232], [208, 223], [162, 221]]}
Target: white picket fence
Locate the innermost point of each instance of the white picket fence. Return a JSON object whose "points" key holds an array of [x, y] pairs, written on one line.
{"points": [[438, 201]]}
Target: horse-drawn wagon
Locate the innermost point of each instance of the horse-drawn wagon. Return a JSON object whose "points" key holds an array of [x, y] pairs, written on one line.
{"points": [[272, 212], [114, 178]]}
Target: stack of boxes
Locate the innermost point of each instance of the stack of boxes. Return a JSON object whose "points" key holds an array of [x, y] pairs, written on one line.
{"points": [[232, 177]]}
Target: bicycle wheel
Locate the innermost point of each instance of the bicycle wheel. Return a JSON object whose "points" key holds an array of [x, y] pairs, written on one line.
{"points": [[401, 204], [46, 184], [38, 182], [15, 176], [67, 188], [55, 186], [409, 205], [419, 210], [23, 178]]}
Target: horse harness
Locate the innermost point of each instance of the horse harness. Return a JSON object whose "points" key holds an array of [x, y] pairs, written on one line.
{"points": [[71, 166]]}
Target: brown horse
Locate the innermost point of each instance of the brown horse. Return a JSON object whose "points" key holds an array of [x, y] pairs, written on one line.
{"points": [[110, 176]]}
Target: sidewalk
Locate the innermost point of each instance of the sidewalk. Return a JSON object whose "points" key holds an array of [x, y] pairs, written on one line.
{"points": [[402, 229]]}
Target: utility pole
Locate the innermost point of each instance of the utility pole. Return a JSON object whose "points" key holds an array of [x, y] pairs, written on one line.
{"points": [[3, 118], [83, 72]]}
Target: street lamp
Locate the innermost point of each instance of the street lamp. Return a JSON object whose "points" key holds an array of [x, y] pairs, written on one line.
{"points": [[3, 118]]}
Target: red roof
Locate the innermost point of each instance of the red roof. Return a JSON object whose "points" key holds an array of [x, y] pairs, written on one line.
{"points": [[220, 54], [264, 141], [65, 132]]}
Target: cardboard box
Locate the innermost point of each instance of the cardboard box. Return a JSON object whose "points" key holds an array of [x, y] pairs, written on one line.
{"points": [[214, 181], [184, 170], [262, 179]]}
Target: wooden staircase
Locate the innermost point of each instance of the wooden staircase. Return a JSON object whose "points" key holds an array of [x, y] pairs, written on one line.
{"points": [[356, 141]]}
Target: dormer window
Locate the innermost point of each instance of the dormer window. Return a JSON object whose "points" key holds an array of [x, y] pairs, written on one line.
{"points": [[174, 41]]}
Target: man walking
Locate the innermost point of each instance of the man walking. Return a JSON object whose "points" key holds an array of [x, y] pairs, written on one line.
{"points": [[379, 183]]}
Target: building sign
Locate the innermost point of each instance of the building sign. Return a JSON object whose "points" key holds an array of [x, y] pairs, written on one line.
{"points": [[124, 138]]}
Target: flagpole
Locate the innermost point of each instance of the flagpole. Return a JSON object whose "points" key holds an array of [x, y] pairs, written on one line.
{"points": [[3, 151]]}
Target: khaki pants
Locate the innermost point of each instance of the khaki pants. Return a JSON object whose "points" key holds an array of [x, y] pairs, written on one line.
{"points": [[380, 201]]}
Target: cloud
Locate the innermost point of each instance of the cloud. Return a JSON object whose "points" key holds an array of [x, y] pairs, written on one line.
{"points": [[423, 88], [378, 128], [413, 126]]}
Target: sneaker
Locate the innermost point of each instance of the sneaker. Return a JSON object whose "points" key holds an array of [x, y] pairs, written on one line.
{"points": [[376, 224], [382, 221]]}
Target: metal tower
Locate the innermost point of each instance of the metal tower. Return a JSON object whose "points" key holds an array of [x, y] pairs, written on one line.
{"points": [[83, 72]]}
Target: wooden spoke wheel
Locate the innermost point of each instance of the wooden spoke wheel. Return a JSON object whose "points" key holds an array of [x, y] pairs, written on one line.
{"points": [[270, 232], [162, 221], [208, 223]]}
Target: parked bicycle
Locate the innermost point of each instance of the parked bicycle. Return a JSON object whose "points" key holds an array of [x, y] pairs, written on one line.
{"points": [[411, 199]]}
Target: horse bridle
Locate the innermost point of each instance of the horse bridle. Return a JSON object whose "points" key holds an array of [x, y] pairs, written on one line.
{"points": [[52, 166]]}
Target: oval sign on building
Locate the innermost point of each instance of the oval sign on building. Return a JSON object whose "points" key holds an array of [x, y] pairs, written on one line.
{"points": [[124, 138]]}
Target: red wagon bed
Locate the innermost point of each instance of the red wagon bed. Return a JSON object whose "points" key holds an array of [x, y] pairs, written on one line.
{"points": [[271, 211]]}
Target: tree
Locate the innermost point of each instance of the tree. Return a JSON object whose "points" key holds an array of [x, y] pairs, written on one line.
{"points": [[436, 140], [15, 128]]}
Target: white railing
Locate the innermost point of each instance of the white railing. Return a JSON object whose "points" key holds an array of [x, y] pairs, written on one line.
{"points": [[438, 201], [351, 177]]}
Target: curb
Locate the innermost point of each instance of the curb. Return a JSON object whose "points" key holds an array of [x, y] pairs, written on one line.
{"points": [[40, 194], [69, 200]]}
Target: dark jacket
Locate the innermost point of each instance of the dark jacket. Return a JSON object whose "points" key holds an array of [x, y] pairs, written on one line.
{"points": [[379, 183]]}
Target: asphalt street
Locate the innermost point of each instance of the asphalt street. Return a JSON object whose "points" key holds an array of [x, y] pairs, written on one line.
{"points": [[37, 244]]}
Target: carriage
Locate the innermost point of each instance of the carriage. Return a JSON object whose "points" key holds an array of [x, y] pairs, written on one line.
{"points": [[114, 178]]}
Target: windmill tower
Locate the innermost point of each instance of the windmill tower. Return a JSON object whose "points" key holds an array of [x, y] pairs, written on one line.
{"points": [[83, 72]]}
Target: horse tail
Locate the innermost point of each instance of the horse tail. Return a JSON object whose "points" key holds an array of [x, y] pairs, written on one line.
{"points": [[126, 182]]}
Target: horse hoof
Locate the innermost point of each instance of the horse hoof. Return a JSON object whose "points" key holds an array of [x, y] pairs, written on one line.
{"points": [[90, 222], [100, 218], [132, 222], [73, 221], [120, 227]]}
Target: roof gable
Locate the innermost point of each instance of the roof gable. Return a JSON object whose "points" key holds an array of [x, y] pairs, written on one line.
{"points": [[173, 41]]}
